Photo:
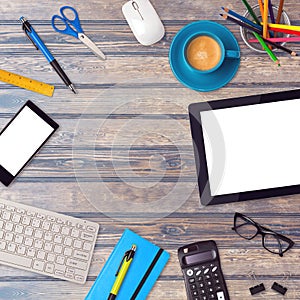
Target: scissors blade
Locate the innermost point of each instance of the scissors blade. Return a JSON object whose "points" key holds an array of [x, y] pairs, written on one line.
{"points": [[91, 45]]}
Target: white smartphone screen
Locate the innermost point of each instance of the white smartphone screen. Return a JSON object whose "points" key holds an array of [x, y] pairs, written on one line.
{"points": [[21, 139]]}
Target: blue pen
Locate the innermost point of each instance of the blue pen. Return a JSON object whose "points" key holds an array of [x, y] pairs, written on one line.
{"points": [[39, 44]]}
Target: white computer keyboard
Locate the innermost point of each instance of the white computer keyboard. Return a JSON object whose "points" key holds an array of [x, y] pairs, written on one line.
{"points": [[46, 242]]}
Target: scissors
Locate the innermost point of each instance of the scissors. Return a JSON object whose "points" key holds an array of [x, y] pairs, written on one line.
{"points": [[73, 27]]}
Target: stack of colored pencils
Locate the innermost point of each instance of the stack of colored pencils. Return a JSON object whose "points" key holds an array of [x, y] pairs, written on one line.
{"points": [[265, 32]]}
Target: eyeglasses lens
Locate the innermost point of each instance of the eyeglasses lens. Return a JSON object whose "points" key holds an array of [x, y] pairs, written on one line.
{"points": [[244, 228], [274, 243]]}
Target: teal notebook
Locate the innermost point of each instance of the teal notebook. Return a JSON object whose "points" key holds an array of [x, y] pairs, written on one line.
{"points": [[148, 262]]}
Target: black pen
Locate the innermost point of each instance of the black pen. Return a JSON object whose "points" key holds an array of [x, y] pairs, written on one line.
{"points": [[39, 45]]}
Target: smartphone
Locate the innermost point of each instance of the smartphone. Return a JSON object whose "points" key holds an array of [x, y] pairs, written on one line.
{"points": [[201, 268], [22, 138]]}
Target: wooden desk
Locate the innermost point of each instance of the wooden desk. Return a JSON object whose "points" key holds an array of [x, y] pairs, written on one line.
{"points": [[142, 151]]}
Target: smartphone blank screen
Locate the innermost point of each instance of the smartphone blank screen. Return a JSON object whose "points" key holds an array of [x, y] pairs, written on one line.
{"points": [[260, 147], [21, 139]]}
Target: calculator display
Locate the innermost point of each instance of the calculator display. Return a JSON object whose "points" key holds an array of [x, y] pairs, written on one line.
{"points": [[200, 257]]}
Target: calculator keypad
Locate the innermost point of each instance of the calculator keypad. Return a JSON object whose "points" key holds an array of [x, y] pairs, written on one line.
{"points": [[205, 282]]}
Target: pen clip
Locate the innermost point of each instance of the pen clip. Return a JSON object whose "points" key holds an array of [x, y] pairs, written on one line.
{"points": [[27, 28], [125, 255]]}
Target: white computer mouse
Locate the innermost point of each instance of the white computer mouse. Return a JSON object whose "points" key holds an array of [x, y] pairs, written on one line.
{"points": [[143, 21]]}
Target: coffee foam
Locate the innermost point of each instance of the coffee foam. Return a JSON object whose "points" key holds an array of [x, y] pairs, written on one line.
{"points": [[203, 53]]}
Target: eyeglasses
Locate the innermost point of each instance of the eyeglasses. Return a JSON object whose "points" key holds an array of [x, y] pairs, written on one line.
{"points": [[272, 241]]}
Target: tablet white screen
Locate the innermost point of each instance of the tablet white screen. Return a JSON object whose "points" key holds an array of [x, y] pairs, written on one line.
{"points": [[21, 139], [259, 146]]}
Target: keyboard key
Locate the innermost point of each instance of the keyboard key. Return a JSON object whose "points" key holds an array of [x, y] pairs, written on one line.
{"points": [[76, 264], [48, 236], [11, 247], [65, 230], [91, 229], [38, 265], [68, 241], [2, 245], [77, 244], [38, 234], [31, 252], [16, 218], [49, 268], [6, 215], [21, 249], [57, 249], [8, 236], [87, 246], [68, 251], [10, 208], [60, 260], [87, 236], [40, 216], [9, 226], [38, 244], [55, 228], [75, 233], [28, 231], [18, 239], [46, 225], [57, 239], [35, 223], [41, 254], [16, 259], [25, 220], [48, 246], [51, 257], [19, 228], [28, 242], [81, 255]]}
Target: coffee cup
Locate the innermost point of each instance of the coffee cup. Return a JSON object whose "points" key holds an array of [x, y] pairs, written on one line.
{"points": [[204, 52]]}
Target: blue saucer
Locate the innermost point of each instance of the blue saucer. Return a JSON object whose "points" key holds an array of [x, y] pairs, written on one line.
{"points": [[210, 81]]}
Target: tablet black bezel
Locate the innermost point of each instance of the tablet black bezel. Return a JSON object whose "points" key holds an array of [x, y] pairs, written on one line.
{"points": [[5, 176], [200, 155]]}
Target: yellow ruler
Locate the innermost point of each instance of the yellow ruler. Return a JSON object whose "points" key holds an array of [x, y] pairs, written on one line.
{"points": [[27, 83]]}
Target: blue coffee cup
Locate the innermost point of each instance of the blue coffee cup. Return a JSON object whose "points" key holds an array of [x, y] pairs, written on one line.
{"points": [[206, 56]]}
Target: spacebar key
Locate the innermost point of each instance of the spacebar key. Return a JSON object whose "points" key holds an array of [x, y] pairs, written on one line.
{"points": [[16, 260]]}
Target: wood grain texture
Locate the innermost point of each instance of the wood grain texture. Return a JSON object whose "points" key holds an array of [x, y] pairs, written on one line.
{"points": [[127, 132]]}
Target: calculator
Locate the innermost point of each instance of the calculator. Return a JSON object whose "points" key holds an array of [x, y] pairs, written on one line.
{"points": [[201, 268]]}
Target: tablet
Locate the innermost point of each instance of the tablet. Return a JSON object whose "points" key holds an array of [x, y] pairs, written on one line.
{"points": [[22, 138], [247, 148]]}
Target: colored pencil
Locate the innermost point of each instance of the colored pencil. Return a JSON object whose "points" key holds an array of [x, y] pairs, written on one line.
{"points": [[280, 8], [251, 12], [265, 19], [267, 41], [267, 49], [285, 31], [261, 7], [255, 31], [284, 26], [226, 17], [242, 18], [271, 12], [279, 40]]}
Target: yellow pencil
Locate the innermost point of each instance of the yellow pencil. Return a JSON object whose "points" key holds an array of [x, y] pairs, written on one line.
{"points": [[283, 26], [265, 19]]}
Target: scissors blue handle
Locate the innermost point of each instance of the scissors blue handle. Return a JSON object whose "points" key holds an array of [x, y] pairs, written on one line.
{"points": [[75, 23]]}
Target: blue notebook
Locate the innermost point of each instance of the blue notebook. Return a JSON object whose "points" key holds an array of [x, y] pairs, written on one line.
{"points": [[148, 262]]}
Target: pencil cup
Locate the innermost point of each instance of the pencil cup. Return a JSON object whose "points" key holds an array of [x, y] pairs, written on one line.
{"points": [[247, 35], [204, 53]]}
